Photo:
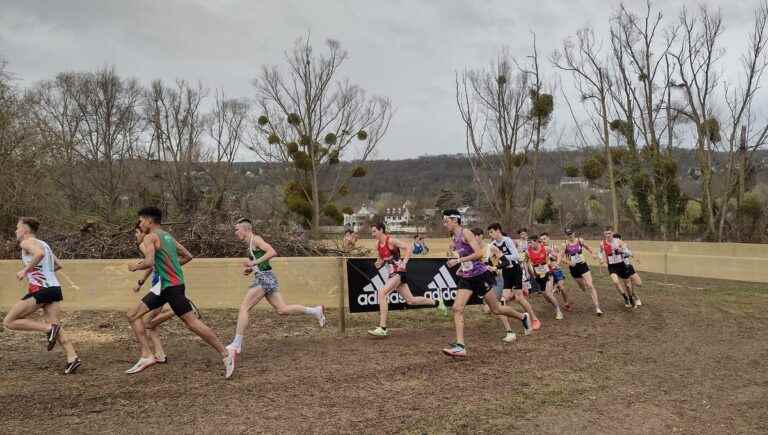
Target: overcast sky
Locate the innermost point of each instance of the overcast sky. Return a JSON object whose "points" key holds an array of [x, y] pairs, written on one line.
{"points": [[407, 50]]}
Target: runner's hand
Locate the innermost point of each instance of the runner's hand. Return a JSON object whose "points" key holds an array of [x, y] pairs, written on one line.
{"points": [[378, 264], [133, 267], [247, 271], [136, 288], [20, 274], [452, 262], [249, 264]]}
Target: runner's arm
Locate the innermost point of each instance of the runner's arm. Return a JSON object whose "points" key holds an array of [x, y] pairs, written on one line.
{"points": [[585, 246], [36, 250], [477, 252], [184, 253], [269, 251], [56, 264], [405, 250], [149, 254]]}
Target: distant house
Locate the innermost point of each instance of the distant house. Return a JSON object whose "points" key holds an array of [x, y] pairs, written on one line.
{"points": [[468, 214], [579, 182], [396, 218], [362, 215]]}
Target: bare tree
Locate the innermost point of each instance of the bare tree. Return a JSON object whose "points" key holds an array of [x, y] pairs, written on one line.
{"points": [[311, 120], [492, 103], [226, 128], [587, 64], [696, 59], [176, 116]]}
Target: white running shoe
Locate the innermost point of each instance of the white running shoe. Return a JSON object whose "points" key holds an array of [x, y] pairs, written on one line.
{"points": [[141, 364], [235, 348], [510, 337], [559, 315], [379, 332], [598, 311], [229, 363], [321, 318], [638, 303]]}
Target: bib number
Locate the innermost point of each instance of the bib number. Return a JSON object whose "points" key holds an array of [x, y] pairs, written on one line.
{"points": [[615, 259], [577, 258], [541, 270], [466, 266]]}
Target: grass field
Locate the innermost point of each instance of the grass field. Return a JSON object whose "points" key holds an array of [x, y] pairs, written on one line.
{"points": [[693, 359]]}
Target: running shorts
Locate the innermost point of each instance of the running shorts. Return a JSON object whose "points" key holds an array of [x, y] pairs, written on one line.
{"points": [[579, 270], [173, 296], [46, 295], [265, 279], [513, 277]]}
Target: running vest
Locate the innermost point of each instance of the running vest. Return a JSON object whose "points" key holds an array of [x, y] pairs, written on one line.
{"points": [[254, 253], [612, 251], [508, 250], [468, 269], [539, 259], [390, 256], [43, 275], [167, 263], [552, 252], [575, 251]]}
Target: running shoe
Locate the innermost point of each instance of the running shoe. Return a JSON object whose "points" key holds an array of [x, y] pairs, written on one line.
{"points": [[229, 363], [627, 303], [53, 335], [72, 366], [510, 337], [598, 311], [526, 324], [141, 364], [235, 348], [567, 307], [164, 360], [631, 302], [536, 324], [441, 308], [321, 318], [456, 350], [379, 332], [558, 315], [638, 303]]}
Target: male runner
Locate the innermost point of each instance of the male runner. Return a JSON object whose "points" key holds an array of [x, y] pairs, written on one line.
{"points": [[492, 258], [394, 254], [43, 292], [473, 278], [554, 266], [574, 248], [538, 267], [166, 255], [512, 272], [612, 254], [264, 284], [634, 280]]}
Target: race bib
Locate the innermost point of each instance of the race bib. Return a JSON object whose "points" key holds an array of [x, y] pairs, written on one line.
{"points": [[466, 266], [541, 270], [615, 259], [577, 258]]}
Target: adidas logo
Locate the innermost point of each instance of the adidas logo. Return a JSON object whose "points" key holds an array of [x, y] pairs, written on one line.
{"points": [[442, 285]]}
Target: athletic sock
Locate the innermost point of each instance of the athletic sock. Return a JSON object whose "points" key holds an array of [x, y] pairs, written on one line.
{"points": [[237, 341], [311, 311], [626, 298]]}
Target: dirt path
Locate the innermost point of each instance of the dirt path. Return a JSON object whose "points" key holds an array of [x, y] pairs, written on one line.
{"points": [[691, 360]]}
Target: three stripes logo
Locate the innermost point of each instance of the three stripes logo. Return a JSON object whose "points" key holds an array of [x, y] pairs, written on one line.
{"points": [[442, 286]]}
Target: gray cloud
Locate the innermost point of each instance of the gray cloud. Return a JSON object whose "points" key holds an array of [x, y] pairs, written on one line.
{"points": [[408, 50]]}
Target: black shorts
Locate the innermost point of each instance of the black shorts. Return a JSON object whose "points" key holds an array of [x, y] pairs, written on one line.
{"points": [[479, 285], [173, 296], [46, 295], [541, 283], [621, 270], [513, 277], [630, 271], [579, 270]]}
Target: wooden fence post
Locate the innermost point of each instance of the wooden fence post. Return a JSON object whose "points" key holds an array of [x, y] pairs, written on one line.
{"points": [[344, 289]]}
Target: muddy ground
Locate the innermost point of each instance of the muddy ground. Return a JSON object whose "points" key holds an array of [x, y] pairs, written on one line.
{"points": [[692, 359]]}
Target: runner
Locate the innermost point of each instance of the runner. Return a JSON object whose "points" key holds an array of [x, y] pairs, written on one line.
{"points": [[612, 254], [512, 272], [538, 267], [573, 248], [492, 258], [166, 255], [43, 292], [264, 284], [634, 280], [522, 247], [390, 251], [473, 278], [418, 246], [557, 273]]}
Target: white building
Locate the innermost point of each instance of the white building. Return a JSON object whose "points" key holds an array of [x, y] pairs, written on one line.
{"points": [[355, 220], [580, 182], [397, 218]]}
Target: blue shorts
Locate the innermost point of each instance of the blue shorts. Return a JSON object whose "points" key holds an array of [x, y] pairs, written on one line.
{"points": [[558, 275]]}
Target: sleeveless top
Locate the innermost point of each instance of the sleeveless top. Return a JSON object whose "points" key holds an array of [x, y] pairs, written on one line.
{"points": [[167, 264], [574, 251], [43, 275], [254, 253], [539, 259], [468, 269], [390, 256], [612, 251], [508, 250]]}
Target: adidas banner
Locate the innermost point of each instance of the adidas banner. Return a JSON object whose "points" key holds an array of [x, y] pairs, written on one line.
{"points": [[428, 277]]}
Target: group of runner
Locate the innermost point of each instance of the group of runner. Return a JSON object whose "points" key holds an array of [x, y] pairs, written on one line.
{"points": [[505, 271], [162, 265], [501, 272]]}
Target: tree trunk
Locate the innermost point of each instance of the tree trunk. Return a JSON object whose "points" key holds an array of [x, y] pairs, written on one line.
{"points": [[534, 170], [609, 158]]}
